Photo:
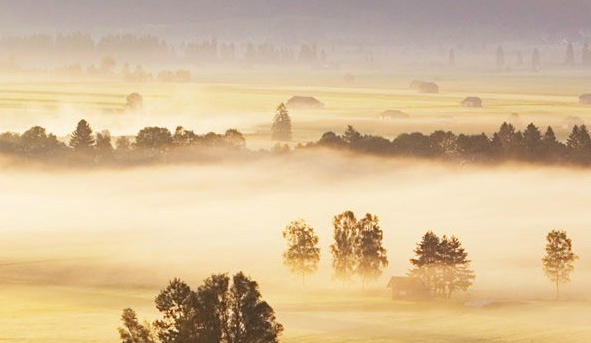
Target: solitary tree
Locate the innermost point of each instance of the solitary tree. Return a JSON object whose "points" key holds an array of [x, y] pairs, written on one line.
{"points": [[81, 139], [344, 253], [371, 255], [302, 254], [281, 129], [559, 258]]}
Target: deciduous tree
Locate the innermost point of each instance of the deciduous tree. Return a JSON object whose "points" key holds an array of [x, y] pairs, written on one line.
{"points": [[302, 254], [559, 258]]}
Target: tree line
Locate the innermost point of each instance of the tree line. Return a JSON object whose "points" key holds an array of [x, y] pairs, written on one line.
{"points": [[159, 144], [507, 144], [85, 147], [440, 263]]}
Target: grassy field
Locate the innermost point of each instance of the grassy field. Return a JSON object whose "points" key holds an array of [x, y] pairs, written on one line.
{"points": [[80, 246]]}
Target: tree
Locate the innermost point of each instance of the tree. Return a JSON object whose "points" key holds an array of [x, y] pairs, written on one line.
{"points": [[176, 303], [371, 255], [455, 272], [500, 56], [532, 142], [427, 258], [154, 138], [579, 144], [216, 312], [104, 148], [251, 320], [302, 254], [36, 141], [133, 331], [344, 257], [134, 102], [570, 55], [81, 139], [586, 55], [442, 265], [281, 129], [559, 258]]}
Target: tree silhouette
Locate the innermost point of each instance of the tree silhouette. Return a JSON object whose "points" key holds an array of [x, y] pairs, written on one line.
{"points": [[302, 254], [250, 320], [216, 312], [559, 258], [426, 261], [81, 139], [442, 265], [455, 272], [154, 138], [343, 250], [133, 331], [371, 255], [281, 129]]}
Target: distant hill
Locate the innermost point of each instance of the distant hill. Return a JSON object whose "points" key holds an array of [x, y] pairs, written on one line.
{"points": [[374, 20]]}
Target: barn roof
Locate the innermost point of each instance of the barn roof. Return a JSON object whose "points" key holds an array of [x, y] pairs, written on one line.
{"points": [[406, 282]]}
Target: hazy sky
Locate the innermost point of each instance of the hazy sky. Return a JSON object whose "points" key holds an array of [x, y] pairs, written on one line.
{"points": [[378, 17]]}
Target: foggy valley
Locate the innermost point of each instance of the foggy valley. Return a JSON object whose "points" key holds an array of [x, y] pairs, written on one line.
{"points": [[279, 171]]}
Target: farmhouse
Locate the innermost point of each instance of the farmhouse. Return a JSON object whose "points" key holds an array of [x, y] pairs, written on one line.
{"points": [[472, 101], [408, 288], [393, 114], [429, 87], [585, 99], [305, 102]]}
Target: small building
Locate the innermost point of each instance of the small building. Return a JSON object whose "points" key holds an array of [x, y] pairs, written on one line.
{"points": [[585, 99], [429, 87], [416, 84], [304, 102], [472, 101], [408, 288], [393, 114]]}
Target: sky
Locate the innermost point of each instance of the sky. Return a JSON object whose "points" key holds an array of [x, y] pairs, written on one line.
{"points": [[506, 18]]}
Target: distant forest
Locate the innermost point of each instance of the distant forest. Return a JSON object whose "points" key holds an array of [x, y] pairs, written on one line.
{"points": [[160, 145], [73, 50]]}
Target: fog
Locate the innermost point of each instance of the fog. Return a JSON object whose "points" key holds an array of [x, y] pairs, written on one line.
{"points": [[141, 227]]}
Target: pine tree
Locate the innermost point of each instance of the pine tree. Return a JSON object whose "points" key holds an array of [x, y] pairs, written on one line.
{"points": [[302, 254], [81, 139], [532, 142], [281, 129], [455, 267], [442, 265], [426, 261], [559, 258]]}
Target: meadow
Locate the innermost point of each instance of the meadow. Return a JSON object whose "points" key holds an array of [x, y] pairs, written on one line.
{"points": [[80, 245]]}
